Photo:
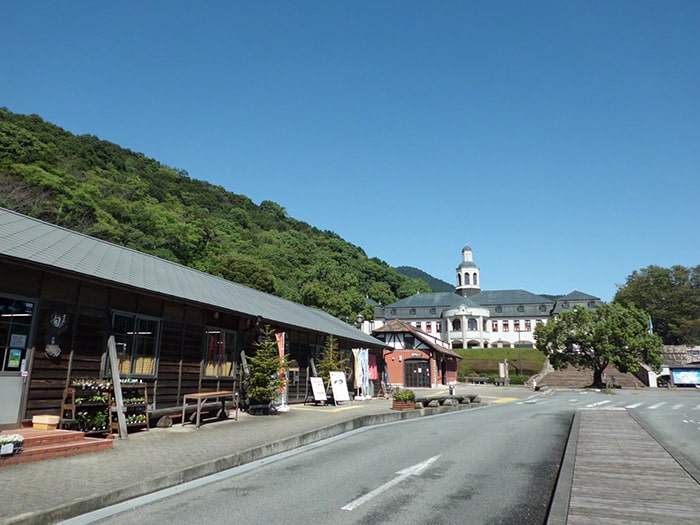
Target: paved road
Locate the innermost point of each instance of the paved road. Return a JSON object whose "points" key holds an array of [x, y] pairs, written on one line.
{"points": [[490, 465]]}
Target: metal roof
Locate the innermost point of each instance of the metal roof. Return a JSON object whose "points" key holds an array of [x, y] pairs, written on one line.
{"points": [[35, 242]]}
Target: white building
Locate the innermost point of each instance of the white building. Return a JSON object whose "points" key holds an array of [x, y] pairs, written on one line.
{"points": [[471, 317]]}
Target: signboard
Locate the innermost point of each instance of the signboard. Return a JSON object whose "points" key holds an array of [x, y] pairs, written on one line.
{"points": [[318, 389], [339, 386]]}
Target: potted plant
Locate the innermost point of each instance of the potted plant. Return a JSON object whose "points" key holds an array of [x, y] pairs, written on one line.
{"points": [[262, 382], [11, 443], [403, 399]]}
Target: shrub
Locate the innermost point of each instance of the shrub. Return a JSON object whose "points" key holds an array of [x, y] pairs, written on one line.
{"points": [[404, 394]]}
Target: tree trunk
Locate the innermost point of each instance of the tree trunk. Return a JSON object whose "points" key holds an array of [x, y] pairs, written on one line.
{"points": [[598, 377]]}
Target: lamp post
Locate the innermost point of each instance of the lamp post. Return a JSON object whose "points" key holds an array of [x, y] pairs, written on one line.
{"points": [[520, 354]]}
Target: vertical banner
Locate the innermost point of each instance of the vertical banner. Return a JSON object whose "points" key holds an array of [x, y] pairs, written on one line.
{"points": [[362, 372], [281, 341]]}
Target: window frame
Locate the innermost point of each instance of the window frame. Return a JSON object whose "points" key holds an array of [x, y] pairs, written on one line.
{"points": [[134, 355]]}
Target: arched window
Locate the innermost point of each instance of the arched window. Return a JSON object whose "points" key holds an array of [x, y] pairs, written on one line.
{"points": [[459, 279], [456, 325], [472, 324], [474, 279], [466, 279]]}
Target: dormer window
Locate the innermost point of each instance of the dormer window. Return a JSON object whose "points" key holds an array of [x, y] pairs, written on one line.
{"points": [[499, 309]]}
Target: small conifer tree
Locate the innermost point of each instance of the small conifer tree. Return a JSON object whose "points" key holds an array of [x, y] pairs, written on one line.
{"points": [[263, 382], [330, 360]]}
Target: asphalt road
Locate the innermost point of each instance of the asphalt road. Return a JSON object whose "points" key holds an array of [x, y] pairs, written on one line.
{"points": [[490, 465]]}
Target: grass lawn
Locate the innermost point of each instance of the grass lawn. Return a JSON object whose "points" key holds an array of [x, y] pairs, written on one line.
{"points": [[484, 361]]}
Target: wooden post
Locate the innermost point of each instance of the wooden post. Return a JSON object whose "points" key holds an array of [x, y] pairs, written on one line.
{"points": [[116, 382]]}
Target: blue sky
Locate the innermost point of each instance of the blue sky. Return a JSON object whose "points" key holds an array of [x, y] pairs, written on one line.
{"points": [[560, 140]]}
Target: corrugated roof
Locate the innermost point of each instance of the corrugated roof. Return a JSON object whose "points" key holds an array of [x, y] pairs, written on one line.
{"points": [[26, 239]]}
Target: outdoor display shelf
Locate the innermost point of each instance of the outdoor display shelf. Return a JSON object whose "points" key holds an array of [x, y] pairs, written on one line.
{"points": [[135, 401], [85, 407]]}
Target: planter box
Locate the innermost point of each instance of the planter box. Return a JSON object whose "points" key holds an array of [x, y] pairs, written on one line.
{"points": [[403, 405], [45, 422]]}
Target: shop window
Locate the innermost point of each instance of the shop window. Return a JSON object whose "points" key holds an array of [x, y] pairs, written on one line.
{"points": [[219, 353], [138, 340], [15, 326]]}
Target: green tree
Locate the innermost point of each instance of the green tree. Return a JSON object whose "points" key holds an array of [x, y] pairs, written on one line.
{"points": [[611, 334], [331, 360], [262, 383], [671, 296]]}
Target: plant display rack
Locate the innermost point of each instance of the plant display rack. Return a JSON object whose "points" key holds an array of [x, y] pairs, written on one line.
{"points": [[86, 406], [135, 400]]}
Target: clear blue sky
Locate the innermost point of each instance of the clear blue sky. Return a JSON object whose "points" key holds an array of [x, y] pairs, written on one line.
{"points": [[560, 140]]}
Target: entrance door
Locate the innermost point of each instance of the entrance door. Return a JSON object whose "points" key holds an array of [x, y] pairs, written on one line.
{"points": [[15, 328], [416, 373]]}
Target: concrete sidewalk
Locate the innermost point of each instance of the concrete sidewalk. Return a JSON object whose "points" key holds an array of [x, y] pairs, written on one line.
{"points": [[50, 491]]}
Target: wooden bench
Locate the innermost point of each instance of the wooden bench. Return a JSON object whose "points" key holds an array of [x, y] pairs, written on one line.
{"points": [[202, 397]]}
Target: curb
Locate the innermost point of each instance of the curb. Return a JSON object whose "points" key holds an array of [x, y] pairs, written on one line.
{"points": [[559, 507], [119, 495]]}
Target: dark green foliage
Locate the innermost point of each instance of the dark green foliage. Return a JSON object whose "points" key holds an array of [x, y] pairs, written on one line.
{"points": [[671, 297], [331, 360], [100, 189], [436, 285], [595, 338]]}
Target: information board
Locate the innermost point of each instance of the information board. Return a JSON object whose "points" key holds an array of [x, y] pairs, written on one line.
{"points": [[318, 389], [339, 386]]}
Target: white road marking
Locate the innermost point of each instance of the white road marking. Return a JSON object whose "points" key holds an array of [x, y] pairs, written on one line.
{"points": [[415, 470], [599, 403], [634, 405], [657, 405]]}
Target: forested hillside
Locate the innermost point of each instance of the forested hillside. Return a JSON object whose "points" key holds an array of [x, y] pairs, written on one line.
{"points": [[98, 188], [437, 285]]}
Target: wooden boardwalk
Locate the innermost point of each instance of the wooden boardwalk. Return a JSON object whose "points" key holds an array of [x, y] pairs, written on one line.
{"points": [[621, 475]]}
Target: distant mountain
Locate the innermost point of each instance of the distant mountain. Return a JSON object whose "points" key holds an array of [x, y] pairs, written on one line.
{"points": [[436, 285]]}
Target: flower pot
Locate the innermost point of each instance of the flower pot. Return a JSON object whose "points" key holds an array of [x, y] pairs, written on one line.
{"points": [[403, 405]]}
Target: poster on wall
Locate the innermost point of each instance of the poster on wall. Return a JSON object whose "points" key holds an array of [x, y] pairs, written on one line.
{"points": [[339, 387], [14, 358]]}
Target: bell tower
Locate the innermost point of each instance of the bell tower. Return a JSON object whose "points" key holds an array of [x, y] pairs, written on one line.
{"points": [[468, 275]]}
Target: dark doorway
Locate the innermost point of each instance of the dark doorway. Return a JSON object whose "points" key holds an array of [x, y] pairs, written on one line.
{"points": [[416, 373]]}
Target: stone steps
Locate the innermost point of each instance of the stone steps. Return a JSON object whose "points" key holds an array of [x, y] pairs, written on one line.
{"points": [[572, 378], [41, 445]]}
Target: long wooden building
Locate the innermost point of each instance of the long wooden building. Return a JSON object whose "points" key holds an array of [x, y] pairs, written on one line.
{"points": [[63, 294]]}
